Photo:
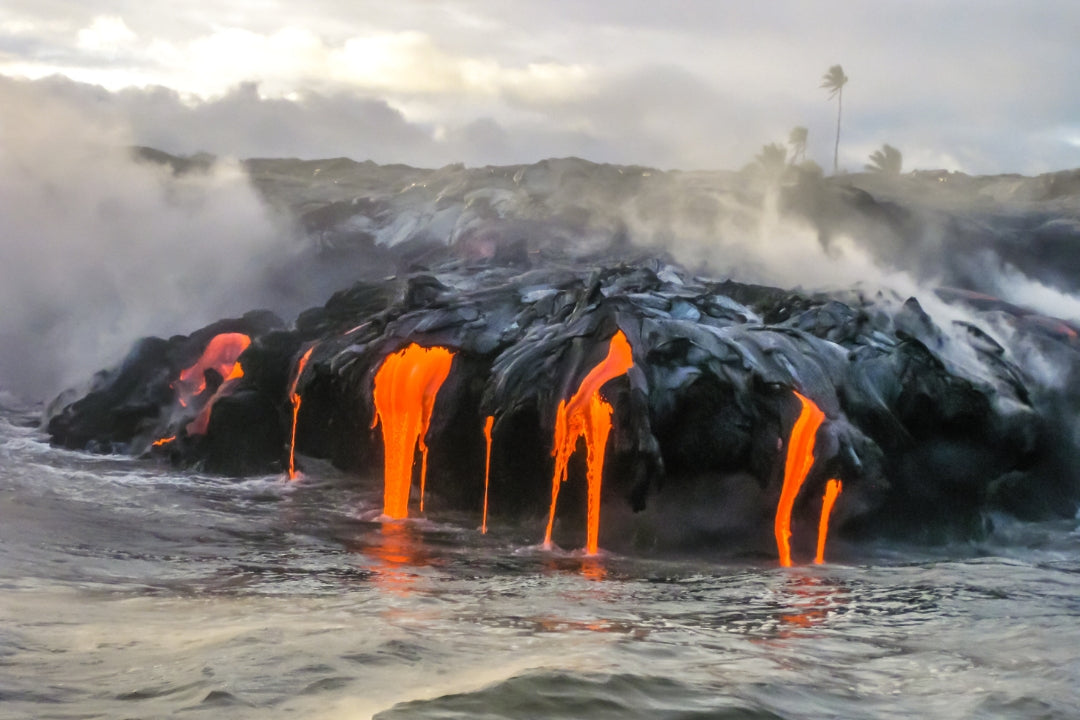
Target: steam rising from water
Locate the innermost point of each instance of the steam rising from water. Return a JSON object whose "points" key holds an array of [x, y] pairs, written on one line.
{"points": [[99, 249]]}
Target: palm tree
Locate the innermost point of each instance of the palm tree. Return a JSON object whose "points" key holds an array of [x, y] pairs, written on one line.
{"points": [[834, 82], [772, 160], [797, 141], [887, 161]]}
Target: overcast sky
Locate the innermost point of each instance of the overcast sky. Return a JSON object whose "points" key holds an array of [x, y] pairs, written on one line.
{"points": [[976, 85]]}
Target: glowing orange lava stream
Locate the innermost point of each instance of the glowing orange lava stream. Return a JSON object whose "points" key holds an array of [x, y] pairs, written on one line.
{"points": [[294, 398], [221, 354], [587, 415], [488, 423], [832, 491], [800, 457], [405, 389]]}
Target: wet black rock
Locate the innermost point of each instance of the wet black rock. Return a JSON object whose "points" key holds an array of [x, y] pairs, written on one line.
{"points": [[929, 427], [134, 404]]}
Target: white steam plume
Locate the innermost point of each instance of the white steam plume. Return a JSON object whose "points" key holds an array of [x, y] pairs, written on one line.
{"points": [[97, 249]]}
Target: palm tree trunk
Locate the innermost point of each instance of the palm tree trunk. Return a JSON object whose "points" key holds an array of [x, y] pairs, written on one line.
{"points": [[836, 150]]}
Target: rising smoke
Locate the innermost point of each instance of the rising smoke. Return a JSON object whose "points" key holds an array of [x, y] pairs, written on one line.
{"points": [[98, 248]]}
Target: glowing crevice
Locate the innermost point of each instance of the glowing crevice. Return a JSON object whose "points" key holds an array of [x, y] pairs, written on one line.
{"points": [[587, 416], [405, 389], [800, 458]]}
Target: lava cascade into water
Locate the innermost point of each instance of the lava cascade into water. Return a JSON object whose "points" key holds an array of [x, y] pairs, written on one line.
{"points": [[587, 415], [406, 385], [489, 422], [294, 398], [800, 457], [832, 491]]}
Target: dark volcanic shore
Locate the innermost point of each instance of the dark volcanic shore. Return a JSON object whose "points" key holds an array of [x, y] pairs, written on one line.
{"points": [[932, 421]]}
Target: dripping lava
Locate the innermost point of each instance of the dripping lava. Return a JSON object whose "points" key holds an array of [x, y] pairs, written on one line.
{"points": [[711, 414]]}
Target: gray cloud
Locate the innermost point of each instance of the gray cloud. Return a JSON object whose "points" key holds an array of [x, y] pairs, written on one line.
{"points": [[986, 87]]}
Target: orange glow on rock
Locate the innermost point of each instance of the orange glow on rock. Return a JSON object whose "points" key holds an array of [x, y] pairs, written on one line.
{"points": [[221, 355], [800, 458], [832, 491], [294, 398], [587, 415], [201, 422], [405, 389], [488, 423]]}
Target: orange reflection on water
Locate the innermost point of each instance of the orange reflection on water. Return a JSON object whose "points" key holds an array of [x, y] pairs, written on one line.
{"points": [[811, 599], [590, 567], [593, 569], [397, 547]]}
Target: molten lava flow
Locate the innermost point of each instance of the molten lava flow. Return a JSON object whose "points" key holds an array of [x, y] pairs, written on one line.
{"points": [[294, 397], [163, 441], [201, 422], [488, 423], [800, 457], [832, 490], [587, 415], [405, 389], [221, 354]]}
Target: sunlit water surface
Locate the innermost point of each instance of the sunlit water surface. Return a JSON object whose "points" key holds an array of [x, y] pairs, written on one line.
{"points": [[128, 590]]}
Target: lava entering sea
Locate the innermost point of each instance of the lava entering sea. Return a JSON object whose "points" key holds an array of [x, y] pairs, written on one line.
{"points": [[587, 416], [681, 390], [405, 389]]}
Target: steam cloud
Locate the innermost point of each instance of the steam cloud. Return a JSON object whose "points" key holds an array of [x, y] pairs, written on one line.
{"points": [[98, 249]]}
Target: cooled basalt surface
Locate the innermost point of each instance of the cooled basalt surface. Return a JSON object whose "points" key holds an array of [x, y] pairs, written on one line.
{"points": [[930, 426]]}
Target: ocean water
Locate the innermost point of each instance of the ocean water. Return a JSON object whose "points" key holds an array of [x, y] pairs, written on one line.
{"points": [[130, 590]]}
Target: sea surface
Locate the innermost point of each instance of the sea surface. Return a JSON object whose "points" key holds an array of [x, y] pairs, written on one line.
{"points": [[132, 590]]}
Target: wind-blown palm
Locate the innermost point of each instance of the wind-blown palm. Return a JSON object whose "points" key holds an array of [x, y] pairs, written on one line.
{"points": [[887, 161], [773, 161], [834, 81], [797, 141]]}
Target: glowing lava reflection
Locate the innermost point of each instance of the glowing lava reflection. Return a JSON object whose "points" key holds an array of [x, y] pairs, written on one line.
{"points": [[587, 415], [405, 389], [800, 457]]}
